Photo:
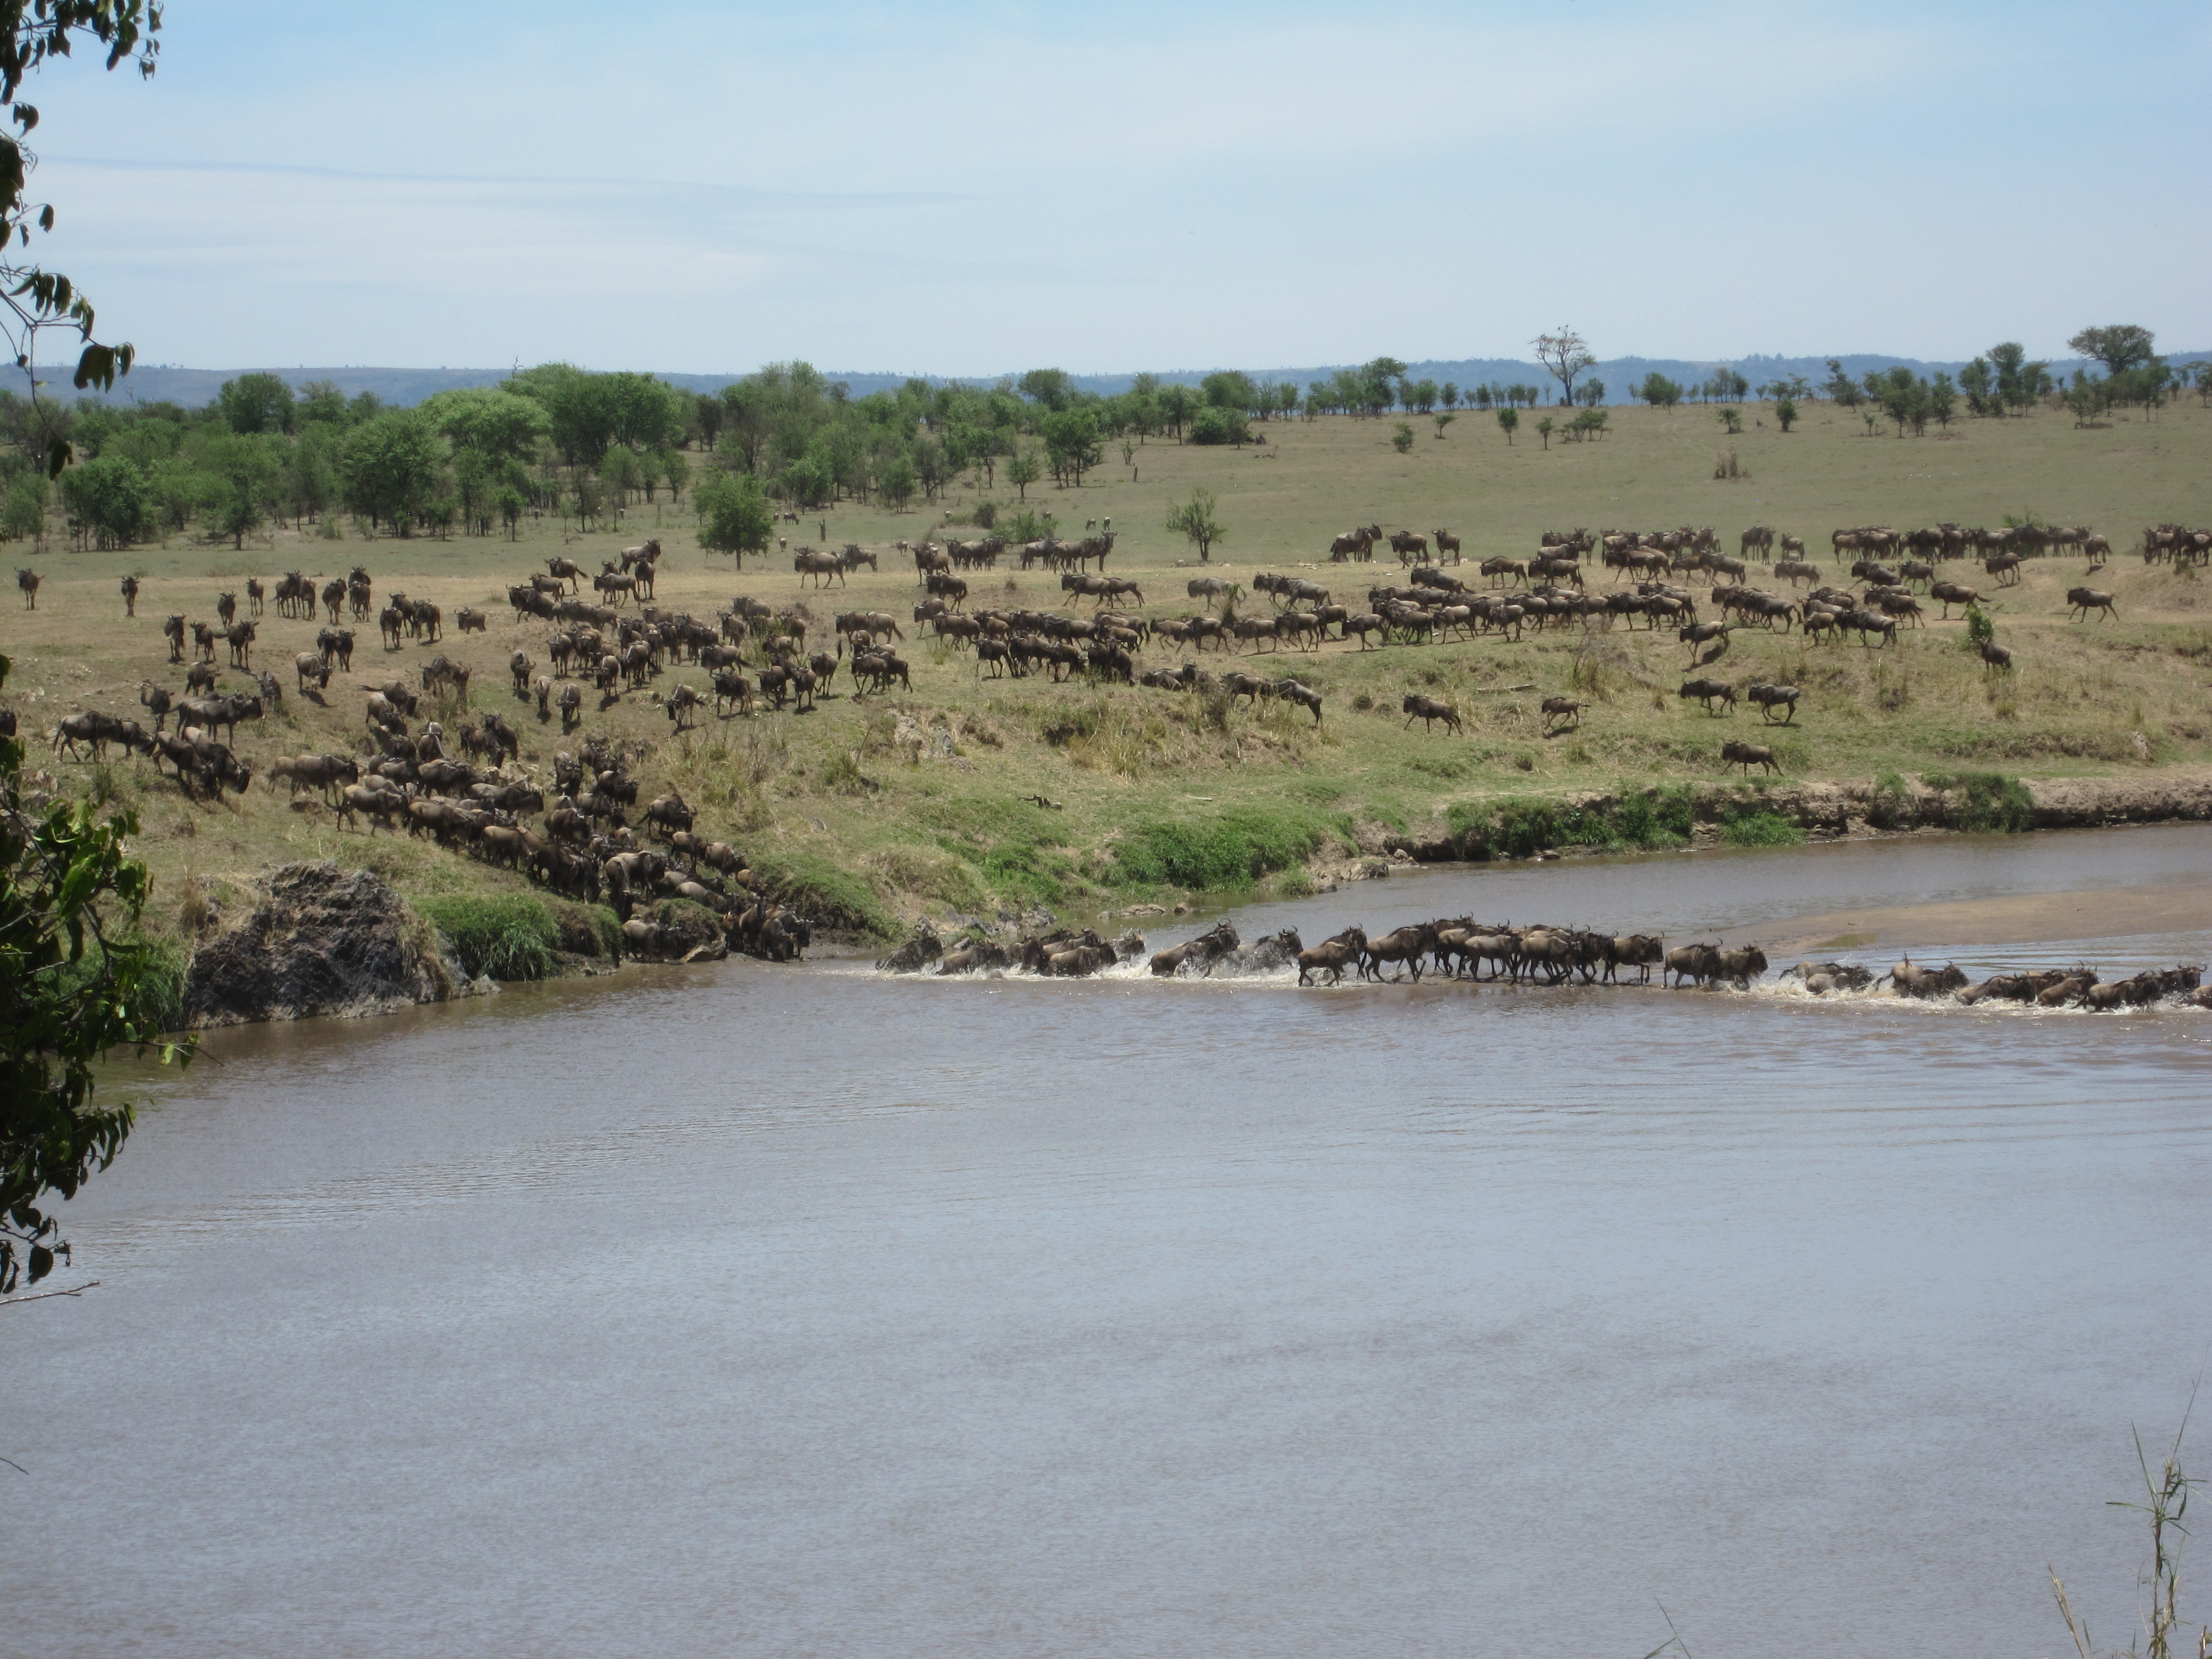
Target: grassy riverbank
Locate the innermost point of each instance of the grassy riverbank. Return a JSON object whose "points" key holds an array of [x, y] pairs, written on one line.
{"points": [[969, 797]]}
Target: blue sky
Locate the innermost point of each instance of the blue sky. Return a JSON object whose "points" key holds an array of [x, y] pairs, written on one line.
{"points": [[968, 189]]}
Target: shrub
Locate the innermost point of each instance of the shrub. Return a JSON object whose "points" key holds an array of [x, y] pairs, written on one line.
{"points": [[1519, 826], [1979, 629], [1983, 802], [1219, 426], [508, 937], [1232, 850], [1762, 830], [1889, 805]]}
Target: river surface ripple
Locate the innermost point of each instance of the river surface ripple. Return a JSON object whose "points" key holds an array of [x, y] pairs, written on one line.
{"points": [[746, 1309]]}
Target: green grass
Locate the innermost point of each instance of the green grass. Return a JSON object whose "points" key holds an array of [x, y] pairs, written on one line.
{"points": [[1762, 830], [508, 937], [1225, 852], [827, 894]]}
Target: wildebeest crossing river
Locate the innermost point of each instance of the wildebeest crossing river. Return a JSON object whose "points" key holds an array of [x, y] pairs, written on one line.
{"points": [[744, 1308]]}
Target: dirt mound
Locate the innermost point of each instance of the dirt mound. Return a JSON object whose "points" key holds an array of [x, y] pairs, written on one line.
{"points": [[324, 941]]}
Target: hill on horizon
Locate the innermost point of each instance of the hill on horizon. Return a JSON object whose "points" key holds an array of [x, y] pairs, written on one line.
{"points": [[403, 387]]}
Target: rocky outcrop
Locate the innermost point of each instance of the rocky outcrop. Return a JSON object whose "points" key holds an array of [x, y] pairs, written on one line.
{"points": [[324, 941]]}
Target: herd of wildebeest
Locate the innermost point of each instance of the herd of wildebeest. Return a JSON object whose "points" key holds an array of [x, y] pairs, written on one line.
{"points": [[1461, 948], [460, 780]]}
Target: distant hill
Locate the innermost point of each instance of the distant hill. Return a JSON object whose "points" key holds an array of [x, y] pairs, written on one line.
{"points": [[194, 387]]}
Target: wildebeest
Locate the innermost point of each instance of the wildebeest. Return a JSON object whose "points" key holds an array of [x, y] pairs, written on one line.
{"points": [[1200, 954], [2081, 601], [1430, 709], [1565, 710], [1710, 692], [1748, 755], [1332, 955], [1913, 981], [1770, 697]]}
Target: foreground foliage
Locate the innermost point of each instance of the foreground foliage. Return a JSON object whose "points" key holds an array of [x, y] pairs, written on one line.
{"points": [[77, 979]]}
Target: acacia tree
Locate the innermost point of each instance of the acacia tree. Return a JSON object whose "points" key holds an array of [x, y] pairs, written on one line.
{"points": [[76, 979], [1196, 521], [1567, 356], [36, 301], [2120, 347]]}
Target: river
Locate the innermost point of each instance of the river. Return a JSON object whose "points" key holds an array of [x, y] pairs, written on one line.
{"points": [[737, 1308]]}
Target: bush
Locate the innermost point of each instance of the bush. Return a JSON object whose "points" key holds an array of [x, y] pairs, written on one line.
{"points": [[1889, 806], [1980, 630], [1762, 830], [508, 937], [1232, 850], [1520, 827], [1219, 426], [1985, 802]]}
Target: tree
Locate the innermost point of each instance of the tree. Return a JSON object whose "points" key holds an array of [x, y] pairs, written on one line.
{"points": [[734, 516], [1975, 382], [1566, 355], [239, 474], [1451, 394], [391, 465], [1840, 388], [1022, 470], [1507, 418], [894, 484], [1072, 444], [1177, 405], [508, 502], [1053, 387], [106, 499], [1402, 439], [1544, 428], [1444, 421], [1592, 394], [1732, 420], [490, 420], [1230, 389], [256, 403], [76, 979], [1659, 392], [2122, 347], [1943, 399], [23, 514], [1195, 521], [38, 300], [1785, 412]]}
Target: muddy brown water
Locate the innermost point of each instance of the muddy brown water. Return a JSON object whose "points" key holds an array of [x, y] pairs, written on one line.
{"points": [[745, 1310]]}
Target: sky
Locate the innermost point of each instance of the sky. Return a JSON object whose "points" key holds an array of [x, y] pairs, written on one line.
{"points": [[970, 189]]}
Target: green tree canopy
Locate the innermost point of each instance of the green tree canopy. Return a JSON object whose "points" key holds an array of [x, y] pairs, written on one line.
{"points": [[489, 420], [392, 465], [2120, 347], [734, 516], [107, 498], [256, 403]]}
